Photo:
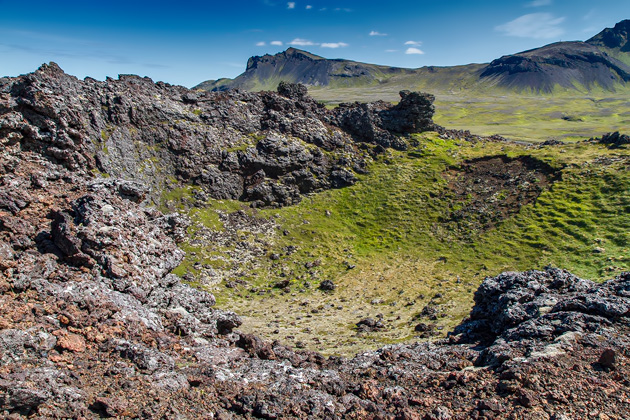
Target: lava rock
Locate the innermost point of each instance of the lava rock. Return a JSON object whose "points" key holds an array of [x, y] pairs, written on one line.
{"points": [[370, 324], [327, 285], [608, 359]]}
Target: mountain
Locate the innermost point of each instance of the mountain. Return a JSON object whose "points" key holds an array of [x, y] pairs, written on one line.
{"points": [[563, 64], [602, 62], [297, 66], [614, 41]]}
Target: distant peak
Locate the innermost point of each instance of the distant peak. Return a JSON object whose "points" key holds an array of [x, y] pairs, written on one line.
{"points": [[614, 38], [294, 52]]}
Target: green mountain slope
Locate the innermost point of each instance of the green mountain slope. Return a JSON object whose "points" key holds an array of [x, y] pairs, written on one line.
{"points": [[601, 63], [614, 41]]}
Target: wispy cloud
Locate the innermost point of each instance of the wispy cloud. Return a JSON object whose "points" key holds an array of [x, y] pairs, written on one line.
{"points": [[342, 9], [276, 43], [376, 33], [291, 5], [309, 7], [261, 44], [539, 3], [415, 43], [590, 15], [413, 50], [391, 51], [533, 25], [302, 42], [334, 45]]}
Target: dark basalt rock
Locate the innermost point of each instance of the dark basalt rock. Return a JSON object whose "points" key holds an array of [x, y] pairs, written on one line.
{"points": [[327, 285], [615, 140], [255, 147], [292, 90], [370, 324], [93, 323], [381, 123]]}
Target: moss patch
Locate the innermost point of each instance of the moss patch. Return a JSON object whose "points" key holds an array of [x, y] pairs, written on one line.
{"points": [[392, 249]]}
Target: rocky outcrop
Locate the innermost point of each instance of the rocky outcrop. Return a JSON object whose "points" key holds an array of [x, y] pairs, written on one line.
{"points": [[614, 140], [135, 129], [535, 314], [93, 324], [383, 123], [267, 148]]}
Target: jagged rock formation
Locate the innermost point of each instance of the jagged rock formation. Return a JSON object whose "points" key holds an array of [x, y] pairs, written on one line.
{"points": [[615, 140], [92, 323], [381, 123], [266, 148]]}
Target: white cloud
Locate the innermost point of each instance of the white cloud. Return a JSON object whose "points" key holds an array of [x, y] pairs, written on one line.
{"points": [[539, 3], [334, 45], [416, 43], [376, 33], [309, 7], [277, 43], [261, 44], [533, 25], [414, 51], [391, 51], [291, 5], [302, 42]]}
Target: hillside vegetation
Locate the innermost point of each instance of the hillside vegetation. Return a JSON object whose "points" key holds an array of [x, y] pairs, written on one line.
{"points": [[412, 240], [566, 90]]}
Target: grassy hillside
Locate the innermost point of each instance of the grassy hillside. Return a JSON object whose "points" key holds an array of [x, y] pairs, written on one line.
{"points": [[564, 115], [412, 240]]}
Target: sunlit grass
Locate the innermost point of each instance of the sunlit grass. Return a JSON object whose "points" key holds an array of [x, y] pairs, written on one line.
{"points": [[384, 245]]}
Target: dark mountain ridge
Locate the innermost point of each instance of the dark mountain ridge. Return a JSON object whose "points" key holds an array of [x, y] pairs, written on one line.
{"points": [[614, 38], [563, 64], [297, 66], [602, 62]]}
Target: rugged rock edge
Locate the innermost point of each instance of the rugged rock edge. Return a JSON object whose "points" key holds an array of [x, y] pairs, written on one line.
{"points": [[93, 325]]}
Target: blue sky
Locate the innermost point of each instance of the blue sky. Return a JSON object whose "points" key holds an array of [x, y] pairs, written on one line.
{"points": [[186, 42]]}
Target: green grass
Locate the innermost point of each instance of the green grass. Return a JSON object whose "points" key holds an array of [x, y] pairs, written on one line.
{"points": [[517, 116], [388, 228]]}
